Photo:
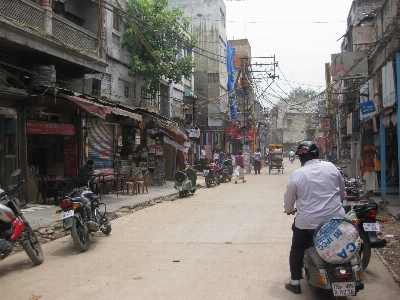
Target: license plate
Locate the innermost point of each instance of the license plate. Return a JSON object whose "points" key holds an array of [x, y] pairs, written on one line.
{"points": [[343, 289], [371, 226], [67, 214]]}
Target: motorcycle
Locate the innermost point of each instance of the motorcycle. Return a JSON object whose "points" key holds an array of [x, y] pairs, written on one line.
{"points": [[364, 215], [81, 214], [225, 170], [291, 159], [211, 174], [332, 263], [185, 181], [14, 227]]}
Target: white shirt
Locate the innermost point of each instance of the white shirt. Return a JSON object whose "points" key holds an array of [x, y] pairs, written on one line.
{"points": [[317, 188], [291, 153], [216, 155], [203, 154]]}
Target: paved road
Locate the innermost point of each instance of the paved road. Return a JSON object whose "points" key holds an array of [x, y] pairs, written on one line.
{"points": [[225, 242]]}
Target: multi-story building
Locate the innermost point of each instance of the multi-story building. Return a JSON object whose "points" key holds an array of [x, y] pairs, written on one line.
{"points": [[211, 108], [66, 95]]}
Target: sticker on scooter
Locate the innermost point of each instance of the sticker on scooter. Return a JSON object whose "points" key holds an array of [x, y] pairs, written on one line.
{"points": [[337, 241]]}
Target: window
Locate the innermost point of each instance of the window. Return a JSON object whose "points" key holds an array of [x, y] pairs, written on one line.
{"points": [[116, 20], [222, 17], [126, 91], [222, 50]]}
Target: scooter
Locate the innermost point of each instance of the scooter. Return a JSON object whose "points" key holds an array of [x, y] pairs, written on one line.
{"points": [[211, 174], [291, 159], [185, 181], [333, 263], [364, 215]]}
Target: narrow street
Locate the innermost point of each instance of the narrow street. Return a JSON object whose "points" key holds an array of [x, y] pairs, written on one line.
{"points": [[226, 242]]}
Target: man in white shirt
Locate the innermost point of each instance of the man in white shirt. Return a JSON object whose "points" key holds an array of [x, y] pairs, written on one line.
{"points": [[317, 188], [203, 156], [291, 154]]}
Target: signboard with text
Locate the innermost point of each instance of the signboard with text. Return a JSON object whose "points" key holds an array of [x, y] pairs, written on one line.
{"points": [[70, 155], [38, 127]]}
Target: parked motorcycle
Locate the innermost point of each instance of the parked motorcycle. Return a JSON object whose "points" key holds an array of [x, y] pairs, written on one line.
{"points": [[185, 181], [333, 263], [365, 218], [225, 170], [14, 227], [81, 213], [211, 174]]}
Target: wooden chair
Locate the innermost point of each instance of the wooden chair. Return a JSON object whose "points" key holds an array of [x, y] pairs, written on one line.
{"points": [[142, 182], [131, 182]]}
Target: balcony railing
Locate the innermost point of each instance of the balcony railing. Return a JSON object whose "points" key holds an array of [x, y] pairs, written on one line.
{"points": [[30, 17]]}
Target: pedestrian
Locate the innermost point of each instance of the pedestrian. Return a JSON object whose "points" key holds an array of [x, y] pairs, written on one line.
{"points": [[317, 189], [221, 156], [203, 157], [239, 162], [257, 161], [216, 156]]}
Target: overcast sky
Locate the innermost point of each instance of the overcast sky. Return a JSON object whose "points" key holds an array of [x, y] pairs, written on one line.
{"points": [[301, 34]]}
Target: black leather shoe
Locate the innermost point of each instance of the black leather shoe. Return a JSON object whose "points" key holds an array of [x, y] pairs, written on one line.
{"points": [[294, 288]]}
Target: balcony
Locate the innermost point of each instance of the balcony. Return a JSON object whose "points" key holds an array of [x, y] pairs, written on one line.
{"points": [[34, 31]]}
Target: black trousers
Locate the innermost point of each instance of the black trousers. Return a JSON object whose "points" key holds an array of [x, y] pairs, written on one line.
{"points": [[203, 163], [301, 240], [257, 166]]}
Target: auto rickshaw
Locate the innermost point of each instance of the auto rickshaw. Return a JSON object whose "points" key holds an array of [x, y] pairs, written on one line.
{"points": [[275, 157]]}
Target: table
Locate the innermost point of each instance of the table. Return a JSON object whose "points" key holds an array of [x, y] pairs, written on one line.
{"points": [[53, 185], [116, 180]]}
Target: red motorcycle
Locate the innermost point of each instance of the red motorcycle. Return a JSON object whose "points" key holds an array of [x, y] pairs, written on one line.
{"points": [[14, 227], [211, 174]]}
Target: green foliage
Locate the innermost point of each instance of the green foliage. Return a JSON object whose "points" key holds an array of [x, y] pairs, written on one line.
{"points": [[161, 35], [300, 93]]}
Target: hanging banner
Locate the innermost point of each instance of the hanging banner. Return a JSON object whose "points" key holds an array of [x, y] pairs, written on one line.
{"points": [[367, 109], [388, 90], [37, 127], [231, 131], [325, 125]]}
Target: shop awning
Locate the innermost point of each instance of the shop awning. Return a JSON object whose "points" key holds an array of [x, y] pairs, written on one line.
{"points": [[100, 109]]}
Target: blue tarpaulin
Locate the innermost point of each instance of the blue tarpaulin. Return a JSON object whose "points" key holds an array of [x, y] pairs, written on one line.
{"points": [[230, 54]]}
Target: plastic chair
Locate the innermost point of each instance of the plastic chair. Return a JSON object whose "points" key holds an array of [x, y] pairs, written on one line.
{"points": [[142, 183], [41, 188], [51, 188], [131, 182]]}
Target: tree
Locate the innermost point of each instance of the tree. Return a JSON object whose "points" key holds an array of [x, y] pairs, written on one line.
{"points": [[162, 37], [300, 93]]}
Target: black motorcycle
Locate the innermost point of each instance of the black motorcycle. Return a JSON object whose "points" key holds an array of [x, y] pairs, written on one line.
{"points": [[81, 213], [365, 217], [225, 170]]}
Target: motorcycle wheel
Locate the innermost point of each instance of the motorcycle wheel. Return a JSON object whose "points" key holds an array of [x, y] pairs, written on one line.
{"points": [[106, 229], [32, 247], [365, 250], [180, 194], [80, 235], [193, 191], [208, 183], [229, 178], [217, 180]]}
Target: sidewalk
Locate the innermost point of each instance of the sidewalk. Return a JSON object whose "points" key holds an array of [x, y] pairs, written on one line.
{"points": [[392, 203], [39, 214]]}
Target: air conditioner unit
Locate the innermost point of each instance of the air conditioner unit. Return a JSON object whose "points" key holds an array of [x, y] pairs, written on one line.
{"points": [[87, 86]]}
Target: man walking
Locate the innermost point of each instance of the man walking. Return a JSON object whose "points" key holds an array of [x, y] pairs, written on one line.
{"points": [[257, 161]]}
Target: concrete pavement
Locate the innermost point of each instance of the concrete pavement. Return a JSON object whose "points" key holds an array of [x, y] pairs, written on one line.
{"points": [[225, 242]]}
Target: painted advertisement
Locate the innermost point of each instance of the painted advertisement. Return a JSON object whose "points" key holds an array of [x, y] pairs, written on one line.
{"points": [[349, 65], [388, 90]]}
